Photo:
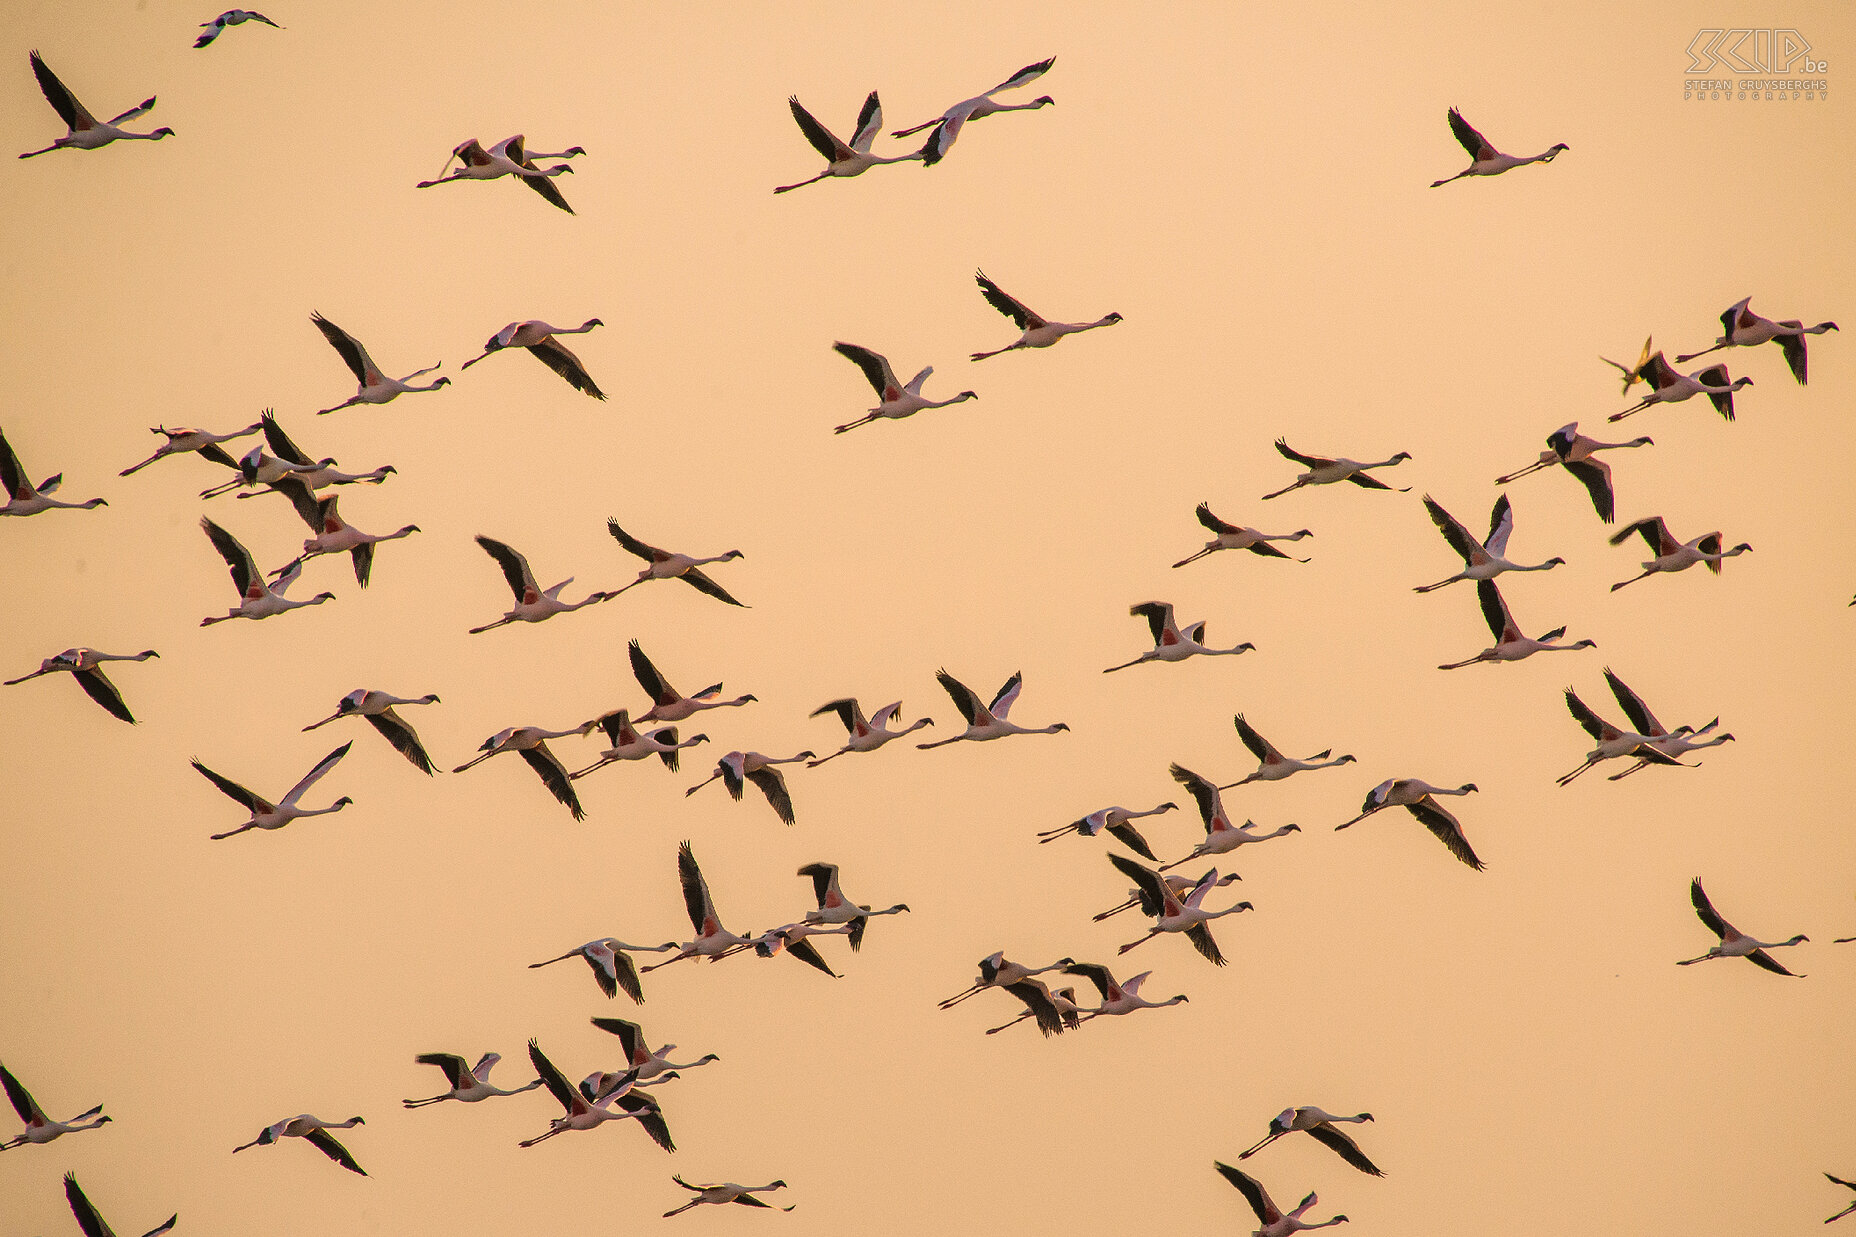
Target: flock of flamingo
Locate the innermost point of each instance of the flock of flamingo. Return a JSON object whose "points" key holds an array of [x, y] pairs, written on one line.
{"points": [[1171, 904]]}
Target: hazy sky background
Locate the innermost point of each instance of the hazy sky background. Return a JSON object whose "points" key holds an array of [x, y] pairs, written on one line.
{"points": [[1249, 187]]}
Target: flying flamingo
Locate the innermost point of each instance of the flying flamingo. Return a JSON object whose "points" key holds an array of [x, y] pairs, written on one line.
{"points": [[611, 965], [539, 338], [1612, 741], [583, 1113], [1325, 471], [986, 721], [86, 666], [39, 1127], [86, 131], [712, 939], [290, 461], [231, 17], [1221, 836], [791, 938], [1673, 555], [91, 1220], [895, 399], [1118, 996], [1482, 560], [739, 768], [1510, 644], [1319, 1124], [532, 742], [1632, 373], [1272, 765], [1039, 332], [469, 1083], [23, 497], [533, 604], [1276, 1222], [668, 704], [377, 708], [1115, 821], [508, 158], [996, 972], [1664, 749], [180, 441], [835, 908], [1485, 160], [1170, 642], [1175, 913], [268, 815], [949, 123], [667, 566], [865, 734], [313, 1130], [1418, 798], [841, 159], [1741, 327], [257, 599], [376, 387], [334, 535], [629, 743], [640, 1058], [1055, 1011], [1735, 943], [1669, 387], [725, 1192], [1180, 885], [1239, 537], [1572, 450]]}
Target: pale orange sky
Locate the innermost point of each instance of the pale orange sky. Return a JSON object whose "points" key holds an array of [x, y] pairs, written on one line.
{"points": [[1249, 188]]}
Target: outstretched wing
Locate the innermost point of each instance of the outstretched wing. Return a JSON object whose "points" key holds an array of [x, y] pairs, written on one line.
{"points": [[87, 1218], [351, 351], [1204, 512], [405, 740], [1477, 145], [238, 558], [1494, 609], [1002, 703], [314, 775], [1150, 882], [696, 898], [62, 100], [876, 368], [1653, 531], [1705, 909], [1594, 725], [1440, 822], [1201, 789], [11, 475], [869, 124], [1595, 476], [1310, 461], [234, 791], [325, 1142], [1259, 746], [773, 785], [822, 141], [1005, 304], [554, 776], [1025, 76], [654, 684], [631, 1036], [1633, 706], [98, 687], [1501, 524], [823, 875], [457, 1069], [1344, 1147], [649, 553], [963, 697], [1253, 1192], [650, 1116], [558, 357], [698, 580], [846, 709], [1459, 537], [1095, 973], [21, 1098], [552, 1078], [515, 567]]}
